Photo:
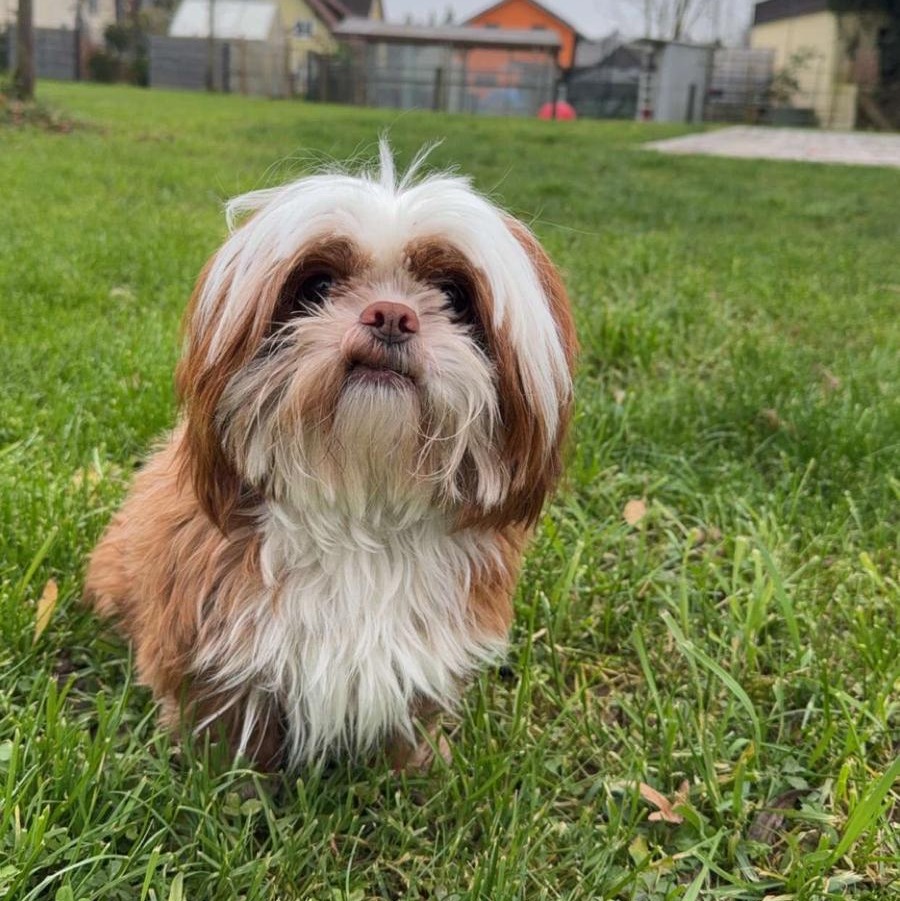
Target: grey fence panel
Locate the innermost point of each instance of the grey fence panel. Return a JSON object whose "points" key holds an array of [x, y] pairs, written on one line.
{"points": [[55, 52], [183, 62], [258, 67], [244, 67]]}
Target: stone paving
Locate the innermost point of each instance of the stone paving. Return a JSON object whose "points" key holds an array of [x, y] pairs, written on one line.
{"points": [[807, 144]]}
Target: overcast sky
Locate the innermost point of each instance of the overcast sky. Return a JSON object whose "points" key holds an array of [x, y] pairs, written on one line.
{"points": [[727, 19]]}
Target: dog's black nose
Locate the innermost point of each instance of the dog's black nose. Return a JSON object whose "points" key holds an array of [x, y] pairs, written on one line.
{"points": [[390, 322]]}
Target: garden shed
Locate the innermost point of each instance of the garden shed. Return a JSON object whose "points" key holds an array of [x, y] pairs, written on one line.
{"points": [[451, 68]]}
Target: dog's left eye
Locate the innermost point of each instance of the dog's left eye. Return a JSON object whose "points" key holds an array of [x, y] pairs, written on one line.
{"points": [[459, 300]]}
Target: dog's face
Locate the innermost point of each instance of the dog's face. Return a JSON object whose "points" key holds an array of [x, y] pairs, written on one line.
{"points": [[373, 345]]}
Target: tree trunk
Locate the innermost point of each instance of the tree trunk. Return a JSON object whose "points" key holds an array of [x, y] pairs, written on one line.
{"points": [[23, 79], [211, 48]]}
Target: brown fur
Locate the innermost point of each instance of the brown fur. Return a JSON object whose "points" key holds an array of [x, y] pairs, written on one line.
{"points": [[201, 381], [533, 457], [160, 564]]}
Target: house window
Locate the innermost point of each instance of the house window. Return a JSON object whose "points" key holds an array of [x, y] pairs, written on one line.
{"points": [[303, 28], [92, 7]]}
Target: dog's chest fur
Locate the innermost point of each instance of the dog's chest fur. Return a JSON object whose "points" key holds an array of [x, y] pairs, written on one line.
{"points": [[356, 624]]}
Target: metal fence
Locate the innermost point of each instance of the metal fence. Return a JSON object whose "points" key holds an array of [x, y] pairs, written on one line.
{"points": [[244, 67], [739, 85], [595, 95], [442, 83], [57, 52]]}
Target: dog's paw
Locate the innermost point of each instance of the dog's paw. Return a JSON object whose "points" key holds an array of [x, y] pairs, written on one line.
{"points": [[419, 758]]}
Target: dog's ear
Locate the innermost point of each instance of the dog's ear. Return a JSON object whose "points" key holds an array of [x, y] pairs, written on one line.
{"points": [[210, 357], [532, 440]]}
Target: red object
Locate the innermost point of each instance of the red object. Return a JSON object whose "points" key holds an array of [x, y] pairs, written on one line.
{"points": [[563, 111]]}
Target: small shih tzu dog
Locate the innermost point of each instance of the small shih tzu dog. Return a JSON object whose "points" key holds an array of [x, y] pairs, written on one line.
{"points": [[376, 382]]}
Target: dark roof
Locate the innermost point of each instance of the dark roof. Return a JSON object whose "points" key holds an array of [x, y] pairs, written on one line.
{"points": [[623, 57], [550, 12], [773, 10], [361, 8], [589, 53], [326, 11], [455, 35], [333, 11]]}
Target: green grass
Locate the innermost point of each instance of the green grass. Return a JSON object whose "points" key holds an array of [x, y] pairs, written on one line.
{"points": [[740, 325]]}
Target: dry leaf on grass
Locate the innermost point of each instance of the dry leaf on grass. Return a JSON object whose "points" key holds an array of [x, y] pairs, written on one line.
{"points": [[85, 476], [634, 511], [45, 606], [830, 382], [121, 292], [665, 811], [769, 821]]}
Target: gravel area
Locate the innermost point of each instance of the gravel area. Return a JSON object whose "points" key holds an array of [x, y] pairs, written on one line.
{"points": [[807, 144]]}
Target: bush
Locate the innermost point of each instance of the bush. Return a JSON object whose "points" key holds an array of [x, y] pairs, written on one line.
{"points": [[124, 57], [103, 66]]}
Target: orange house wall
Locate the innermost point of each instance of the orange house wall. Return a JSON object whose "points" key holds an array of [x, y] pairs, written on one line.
{"points": [[524, 15]]}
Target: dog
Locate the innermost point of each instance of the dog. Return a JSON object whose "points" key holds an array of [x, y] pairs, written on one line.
{"points": [[375, 388]]}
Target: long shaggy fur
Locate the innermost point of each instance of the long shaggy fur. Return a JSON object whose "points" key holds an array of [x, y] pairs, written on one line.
{"points": [[325, 548]]}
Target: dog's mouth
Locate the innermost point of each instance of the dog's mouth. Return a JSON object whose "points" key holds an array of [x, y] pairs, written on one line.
{"points": [[380, 373]]}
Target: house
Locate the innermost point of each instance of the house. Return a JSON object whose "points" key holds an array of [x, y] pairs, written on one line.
{"points": [[822, 59], [428, 67], [309, 25], [93, 15], [524, 15]]}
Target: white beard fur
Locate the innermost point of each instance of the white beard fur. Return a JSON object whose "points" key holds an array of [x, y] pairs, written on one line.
{"points": [[356, 624]]}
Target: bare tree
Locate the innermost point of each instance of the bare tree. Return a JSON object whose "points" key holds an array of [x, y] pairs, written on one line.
{"points": [[23, 79], [671, 20]]}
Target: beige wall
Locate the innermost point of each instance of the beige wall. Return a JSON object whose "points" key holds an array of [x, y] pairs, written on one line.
{"points": [[95, 15], [320, 41], [822, 80]]}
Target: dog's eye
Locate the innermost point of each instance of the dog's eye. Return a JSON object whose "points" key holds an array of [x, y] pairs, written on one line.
{"points": [[303, 293], [458, 300], [312, 291]]}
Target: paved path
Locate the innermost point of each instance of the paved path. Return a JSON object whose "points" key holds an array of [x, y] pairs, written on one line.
{"points": [[807, 144]]}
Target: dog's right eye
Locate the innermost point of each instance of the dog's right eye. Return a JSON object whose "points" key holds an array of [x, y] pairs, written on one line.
{"points": [[310, 293]]}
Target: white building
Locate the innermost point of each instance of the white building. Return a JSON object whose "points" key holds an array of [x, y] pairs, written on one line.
{"points": [[95, 15]]}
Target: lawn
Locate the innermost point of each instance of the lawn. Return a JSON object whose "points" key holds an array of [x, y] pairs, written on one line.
{"points": [[734, 645]]}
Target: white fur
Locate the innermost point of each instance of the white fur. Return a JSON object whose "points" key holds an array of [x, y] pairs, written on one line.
{"points": [[356, 623], [382, 217]]}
